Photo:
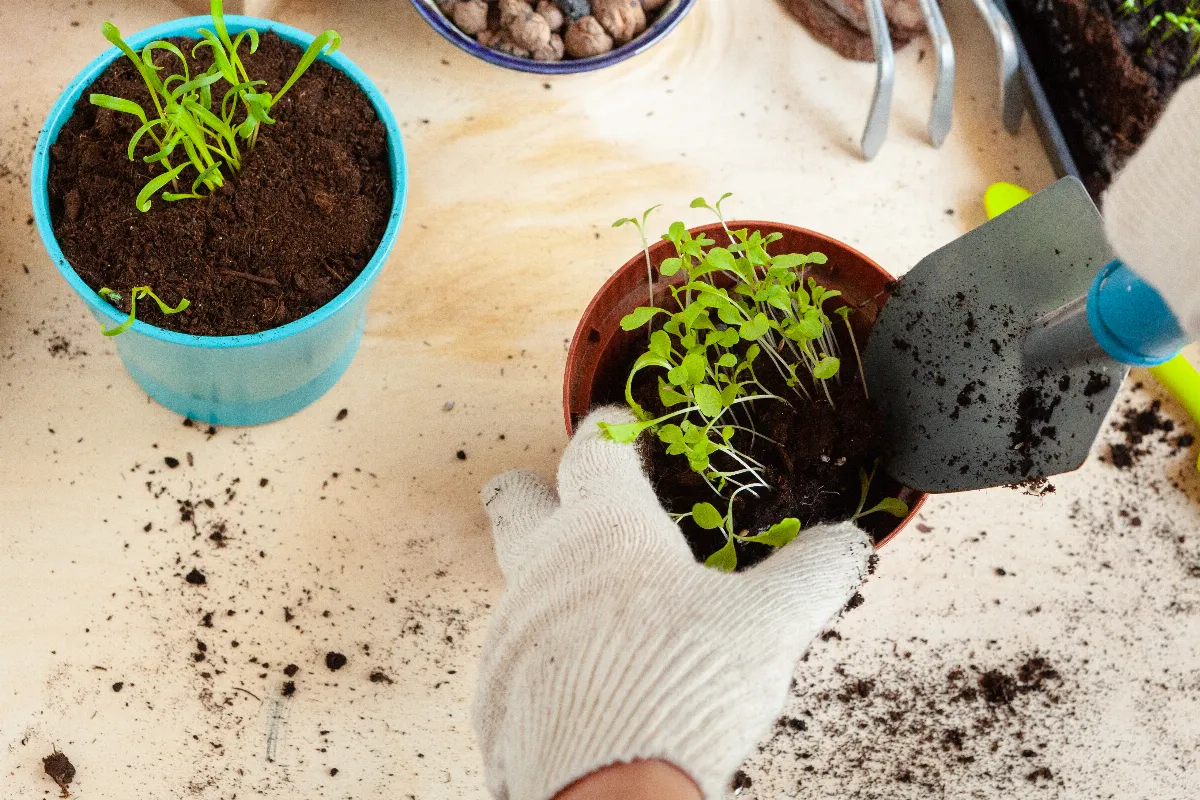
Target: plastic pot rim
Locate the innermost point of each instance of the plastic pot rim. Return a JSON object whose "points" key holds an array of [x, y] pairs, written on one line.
{"points": [[64, 107]]}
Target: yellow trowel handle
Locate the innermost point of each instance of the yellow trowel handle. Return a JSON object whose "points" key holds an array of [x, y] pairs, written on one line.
{"points": [[1177, 376], [1181, 379]]}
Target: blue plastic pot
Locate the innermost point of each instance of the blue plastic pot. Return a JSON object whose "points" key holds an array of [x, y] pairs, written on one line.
{"points": [[667, 19], [231, 380]]}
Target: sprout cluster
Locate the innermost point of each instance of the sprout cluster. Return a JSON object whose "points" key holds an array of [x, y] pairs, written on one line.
{"points": [[710, 347], [1185, 23], [188, 117]]}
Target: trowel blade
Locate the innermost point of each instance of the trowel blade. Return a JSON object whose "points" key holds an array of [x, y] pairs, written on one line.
{"points": [[966, 406]]}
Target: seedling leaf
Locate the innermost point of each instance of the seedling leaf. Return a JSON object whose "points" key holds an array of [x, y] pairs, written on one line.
{"points": [[118, 104], [639, 317], [778, 534], [890, 505], [706, 516], [660, 344], [156, 183], [826, 368], [669, 397], [330, 38], [725, 559], [135, 293], [755, 328], [708, 398], [625, 432]]}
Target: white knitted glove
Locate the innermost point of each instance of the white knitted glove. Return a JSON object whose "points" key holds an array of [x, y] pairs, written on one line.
{"points": [[611, 644], [1152, 210]]}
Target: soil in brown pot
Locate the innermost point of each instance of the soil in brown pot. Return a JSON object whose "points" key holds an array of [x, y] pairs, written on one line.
{"points": [[282, 238], [814, 468], [1107, 79]]}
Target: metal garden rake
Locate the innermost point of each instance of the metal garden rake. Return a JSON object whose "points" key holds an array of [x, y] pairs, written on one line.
{"points": [[942, 112]]}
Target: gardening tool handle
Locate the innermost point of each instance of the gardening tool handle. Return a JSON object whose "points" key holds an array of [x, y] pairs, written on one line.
{"points": [[1182, 380], [1131, 320], [1121, 315]]}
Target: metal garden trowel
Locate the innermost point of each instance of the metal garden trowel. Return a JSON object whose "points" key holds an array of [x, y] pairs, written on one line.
{"points": [[998, 356]]}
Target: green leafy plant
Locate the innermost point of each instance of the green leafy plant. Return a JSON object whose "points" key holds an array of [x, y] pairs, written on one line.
{"points": [[135, 294], [189, 123], [710, 344], [892, 505], [1185, 23]]}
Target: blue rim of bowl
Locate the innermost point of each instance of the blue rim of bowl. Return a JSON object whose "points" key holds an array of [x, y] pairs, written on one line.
{"points": [[668, 18], [64, 107]]}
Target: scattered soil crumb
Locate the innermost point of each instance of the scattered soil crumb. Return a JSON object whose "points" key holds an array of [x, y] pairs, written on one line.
{"points": [[341, 415], [335, 661], [1141, 426], [196, 577], [380, 677], [60, 769], [118, 686], [1035, 409], [289, 688], [1034, 487], [740, 781], [290, 670], [997, 688], [1096, 384], [942, 723], [1041, 772]]}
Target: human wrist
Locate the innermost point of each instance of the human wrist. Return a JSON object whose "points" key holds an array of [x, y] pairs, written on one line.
{"points": [[637, 780]]}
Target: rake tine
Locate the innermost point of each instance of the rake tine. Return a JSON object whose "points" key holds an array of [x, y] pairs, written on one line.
{"points": [[941, 115], [1012, 96], [885, 73]]}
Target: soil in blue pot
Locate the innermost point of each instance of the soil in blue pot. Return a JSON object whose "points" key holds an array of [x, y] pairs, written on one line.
{"points": [[282, 237]]}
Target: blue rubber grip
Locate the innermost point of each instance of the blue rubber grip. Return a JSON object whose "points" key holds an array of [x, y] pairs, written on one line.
{"points": [[1130, 319]]}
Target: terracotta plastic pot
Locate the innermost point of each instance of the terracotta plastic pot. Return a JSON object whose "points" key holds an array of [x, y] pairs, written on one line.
{"points": [[598, 359]]}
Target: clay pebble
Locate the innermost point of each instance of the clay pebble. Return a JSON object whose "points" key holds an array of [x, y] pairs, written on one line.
{"points": [[552, 30]]}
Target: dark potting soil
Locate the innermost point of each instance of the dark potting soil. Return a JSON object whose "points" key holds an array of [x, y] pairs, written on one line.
{"points": [[935, 725], [1034, 487], [1107, 80], [1138, 427], [60, 769], [814, 468], [281, 239]]}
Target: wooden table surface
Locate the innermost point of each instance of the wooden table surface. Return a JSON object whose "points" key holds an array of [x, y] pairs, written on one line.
{"points": [[365, 537]]}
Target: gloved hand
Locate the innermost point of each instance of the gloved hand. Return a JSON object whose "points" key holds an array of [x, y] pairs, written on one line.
{"points": [[1152, 210], [611, 644]]}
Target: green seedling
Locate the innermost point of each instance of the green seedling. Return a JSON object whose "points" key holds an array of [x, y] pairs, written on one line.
{"points": [[844, 313], [709, 345], [1185, 23], [190, 122], [890, 505], [136, 293], [641, 229]]}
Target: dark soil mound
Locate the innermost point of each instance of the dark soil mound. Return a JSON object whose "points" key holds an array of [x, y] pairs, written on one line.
{"points": [[1107, 79], [814, 468]]}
